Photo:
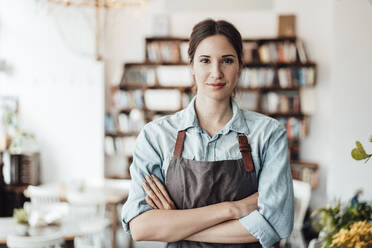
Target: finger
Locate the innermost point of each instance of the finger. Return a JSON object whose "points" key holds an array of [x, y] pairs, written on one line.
{"points": [[162, 189], [150, 202], [153, 196], [164, 192], [156, 190]]}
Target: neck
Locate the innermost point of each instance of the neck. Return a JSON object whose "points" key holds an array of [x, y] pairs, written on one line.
{"points": [[213, 115]]}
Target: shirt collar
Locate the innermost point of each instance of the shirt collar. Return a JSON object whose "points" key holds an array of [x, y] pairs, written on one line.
{"points": [[237, 122]]}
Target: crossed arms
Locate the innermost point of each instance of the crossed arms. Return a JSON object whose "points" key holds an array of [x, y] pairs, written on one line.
{"points": [[217, 223]]}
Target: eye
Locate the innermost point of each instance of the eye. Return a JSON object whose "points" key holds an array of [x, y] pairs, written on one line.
{"points": [[228, 61], [204, 60]]}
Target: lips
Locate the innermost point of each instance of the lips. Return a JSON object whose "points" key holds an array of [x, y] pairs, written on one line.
{"points": [[216, 84]]}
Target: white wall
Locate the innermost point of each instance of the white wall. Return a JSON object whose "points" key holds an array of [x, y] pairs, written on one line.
{"points": [[60, 92], [351, 98]]}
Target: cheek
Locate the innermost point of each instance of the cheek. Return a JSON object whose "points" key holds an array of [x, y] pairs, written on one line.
{"points": [[232, 74], [200, 75]]}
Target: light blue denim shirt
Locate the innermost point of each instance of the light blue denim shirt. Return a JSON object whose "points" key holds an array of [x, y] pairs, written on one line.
{"points": [[268, 139]]}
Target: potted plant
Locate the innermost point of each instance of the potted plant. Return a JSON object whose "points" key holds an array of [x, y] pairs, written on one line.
{"points": [[346, 224]]}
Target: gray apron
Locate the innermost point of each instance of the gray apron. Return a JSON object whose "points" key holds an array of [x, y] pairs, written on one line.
{"points": [[194, 184]]}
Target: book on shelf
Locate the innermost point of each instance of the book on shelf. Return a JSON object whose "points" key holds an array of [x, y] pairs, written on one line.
{"points": [[145, 75], [122, 122], [119, 145], [174, 75], [249, 52], [184, 47], [109, 145], [296, 128], [307, 172], [283, 102], [163, 52], [110, 125], [257, 77], [302, 55], [162, 100], [277, 52], [296, 77], [122, 100], [287, 25]]}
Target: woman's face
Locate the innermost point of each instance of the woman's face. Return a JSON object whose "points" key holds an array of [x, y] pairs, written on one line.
{"points": [[215, 67]]}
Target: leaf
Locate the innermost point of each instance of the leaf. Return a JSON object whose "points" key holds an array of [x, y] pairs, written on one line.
{"points": [[370, 139], [357, 155], [361, 148]]}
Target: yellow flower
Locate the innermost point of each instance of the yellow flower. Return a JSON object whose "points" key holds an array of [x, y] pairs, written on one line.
{"points": [[359, 236]]}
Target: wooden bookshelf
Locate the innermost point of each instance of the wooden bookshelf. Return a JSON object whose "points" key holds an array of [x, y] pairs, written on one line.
{"points": [[285, 72]]}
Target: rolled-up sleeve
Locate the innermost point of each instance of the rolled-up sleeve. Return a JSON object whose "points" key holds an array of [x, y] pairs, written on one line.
{"points": [[274, 218], [146, 161]]}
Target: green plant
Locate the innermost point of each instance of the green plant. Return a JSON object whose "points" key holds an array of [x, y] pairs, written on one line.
{"points": [[358, 153], [20, 215], [330, 220]]}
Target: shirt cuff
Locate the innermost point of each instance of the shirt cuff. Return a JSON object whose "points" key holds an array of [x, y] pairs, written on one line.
{"points": [[127, 217], [260, 228]]}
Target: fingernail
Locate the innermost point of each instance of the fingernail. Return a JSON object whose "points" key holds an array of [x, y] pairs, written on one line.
{"points": [[147, 177]]}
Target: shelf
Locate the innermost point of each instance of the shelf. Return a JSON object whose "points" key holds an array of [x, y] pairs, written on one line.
{"points": [[121, 134], [159, 38], [279, 65], [290, 114], [264, 39], [273, 88], [161, 112], [248, 65], [310, 165], [270, 39], [14, 188], [118, 177], [149, 63], [278, 73], [134, 85]]}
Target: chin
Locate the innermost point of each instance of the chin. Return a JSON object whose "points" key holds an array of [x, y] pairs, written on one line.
{"points": [[217, 96]]}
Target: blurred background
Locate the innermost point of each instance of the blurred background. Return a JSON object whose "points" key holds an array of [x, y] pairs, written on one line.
{"points": [[80, 78]]}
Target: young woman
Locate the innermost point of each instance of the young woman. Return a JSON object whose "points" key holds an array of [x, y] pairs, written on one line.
{"points": [[211, 175]]}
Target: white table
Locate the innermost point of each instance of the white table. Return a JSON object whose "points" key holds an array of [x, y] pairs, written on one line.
{"points": [[111, 192], [70, 228]]}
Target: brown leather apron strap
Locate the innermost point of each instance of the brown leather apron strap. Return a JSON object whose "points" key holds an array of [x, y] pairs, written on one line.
{"points": [[179, 143], [245, 150]]}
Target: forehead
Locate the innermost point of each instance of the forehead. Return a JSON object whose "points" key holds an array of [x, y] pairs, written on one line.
{"points": [[215, 45]]}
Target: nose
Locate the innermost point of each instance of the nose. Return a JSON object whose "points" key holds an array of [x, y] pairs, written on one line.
{"points": [[216, 72]]}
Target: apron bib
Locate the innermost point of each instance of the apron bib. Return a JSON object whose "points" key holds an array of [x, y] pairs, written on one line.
{"points": [[193, 184]]}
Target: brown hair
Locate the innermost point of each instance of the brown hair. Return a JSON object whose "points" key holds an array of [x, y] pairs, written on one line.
{"points": [[211, 27]]}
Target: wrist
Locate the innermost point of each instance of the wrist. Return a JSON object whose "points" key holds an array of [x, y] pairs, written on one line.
{"points": [[234, 210]]}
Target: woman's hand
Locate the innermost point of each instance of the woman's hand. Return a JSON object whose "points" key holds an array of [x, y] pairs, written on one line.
{"points": [[157, 195]]}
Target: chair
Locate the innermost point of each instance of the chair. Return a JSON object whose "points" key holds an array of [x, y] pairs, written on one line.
{"points": [[44, 241], [302, 194], [90, 205], [315, 243], [41, 195]]}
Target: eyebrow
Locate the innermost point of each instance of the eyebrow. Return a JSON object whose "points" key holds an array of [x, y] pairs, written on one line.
{"points": [[223, 56]]}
